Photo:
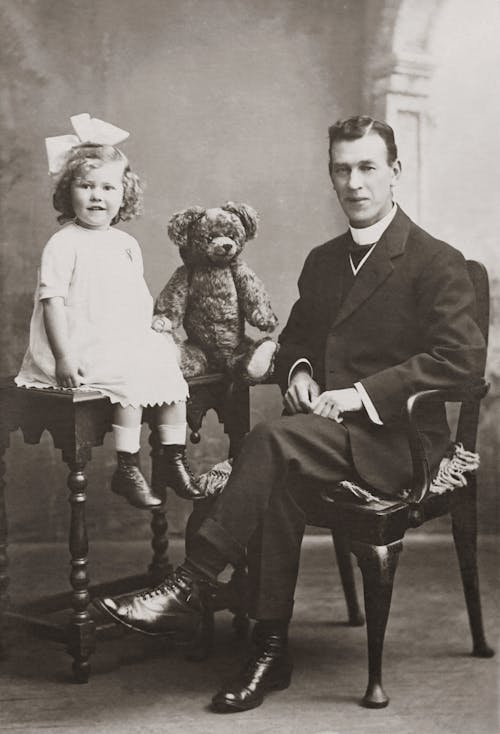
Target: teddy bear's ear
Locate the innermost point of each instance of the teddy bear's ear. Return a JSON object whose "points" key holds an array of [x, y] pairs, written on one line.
{"points": [[249, 217], [179, 222]]}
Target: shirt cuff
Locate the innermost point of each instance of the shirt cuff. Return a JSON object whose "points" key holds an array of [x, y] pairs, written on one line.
{"points": [[302, 360], [368, 405]]}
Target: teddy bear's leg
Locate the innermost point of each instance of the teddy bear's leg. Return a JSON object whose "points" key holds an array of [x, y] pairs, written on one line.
{"points": [[193, 360], [257, 365]]}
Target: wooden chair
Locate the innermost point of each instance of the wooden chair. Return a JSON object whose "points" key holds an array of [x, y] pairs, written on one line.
{"points": [[374, 532]]}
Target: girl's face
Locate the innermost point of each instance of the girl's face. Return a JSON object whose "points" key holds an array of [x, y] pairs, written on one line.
{"points": [[97, 195]]}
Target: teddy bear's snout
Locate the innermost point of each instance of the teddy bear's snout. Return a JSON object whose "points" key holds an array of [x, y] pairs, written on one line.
{"points": [[222, 246]]}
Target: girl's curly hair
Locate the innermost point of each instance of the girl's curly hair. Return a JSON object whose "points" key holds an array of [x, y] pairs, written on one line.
{"points": [[92, 155]]}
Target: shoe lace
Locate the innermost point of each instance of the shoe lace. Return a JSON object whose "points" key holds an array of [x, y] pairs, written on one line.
{"points": [[171, 583]]}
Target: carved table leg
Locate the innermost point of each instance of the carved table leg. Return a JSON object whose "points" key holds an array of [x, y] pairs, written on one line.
{"points": [[378, 565], [343, 553], [237, 425], [81, 628], [464, 524], [160, 566], [236, 416], [4, 561]]}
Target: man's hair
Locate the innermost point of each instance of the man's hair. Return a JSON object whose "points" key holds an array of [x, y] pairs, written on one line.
{"points": [[357, 127], [85, 157]]}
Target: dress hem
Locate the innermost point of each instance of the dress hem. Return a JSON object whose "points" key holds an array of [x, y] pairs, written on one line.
{"points": [[114, 400]]}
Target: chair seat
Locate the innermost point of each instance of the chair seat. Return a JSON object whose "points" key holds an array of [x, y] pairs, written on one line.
{"points": [[379, 522]]}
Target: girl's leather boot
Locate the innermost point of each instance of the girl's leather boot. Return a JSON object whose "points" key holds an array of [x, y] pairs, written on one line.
{"points": [[177, 474], [128, 481]]}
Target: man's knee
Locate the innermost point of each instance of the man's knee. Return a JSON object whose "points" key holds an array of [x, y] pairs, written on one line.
{"points": [[269, 430], [261, 434], [272, 433]]}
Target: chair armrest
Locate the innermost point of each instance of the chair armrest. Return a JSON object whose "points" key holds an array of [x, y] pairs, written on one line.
{"points": [[462, 394], [469, 393]]}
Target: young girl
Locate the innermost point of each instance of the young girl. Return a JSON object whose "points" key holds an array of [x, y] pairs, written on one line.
{"points": [[91, 324]]}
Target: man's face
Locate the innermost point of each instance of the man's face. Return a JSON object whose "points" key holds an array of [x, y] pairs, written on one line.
{"points": [[362, 178]]}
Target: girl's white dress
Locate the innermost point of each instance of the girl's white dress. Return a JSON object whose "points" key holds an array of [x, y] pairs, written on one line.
{"points": [[109, 309]]}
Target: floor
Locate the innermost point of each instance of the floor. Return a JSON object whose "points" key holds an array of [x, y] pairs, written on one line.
{"points": [[141, 686]]}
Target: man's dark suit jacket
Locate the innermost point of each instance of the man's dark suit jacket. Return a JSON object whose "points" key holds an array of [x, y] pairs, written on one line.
{"points": [[406, 324]]}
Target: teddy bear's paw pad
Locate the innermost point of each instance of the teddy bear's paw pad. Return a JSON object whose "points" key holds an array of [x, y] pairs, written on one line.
{"points": [[261, 360]]}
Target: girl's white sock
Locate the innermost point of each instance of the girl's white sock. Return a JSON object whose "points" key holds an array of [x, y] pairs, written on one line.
{"points": [[127, 439], [170, 434]]}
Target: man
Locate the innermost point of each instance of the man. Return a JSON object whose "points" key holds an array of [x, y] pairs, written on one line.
{"points": [[383, 311]]}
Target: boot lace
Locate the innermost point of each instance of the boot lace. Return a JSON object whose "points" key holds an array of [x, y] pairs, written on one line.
{"points": [[188, 470], [128, 471]]}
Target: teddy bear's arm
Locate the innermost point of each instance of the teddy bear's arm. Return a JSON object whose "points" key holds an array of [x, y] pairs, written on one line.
{"points": [[172, 300], [253, 298]]}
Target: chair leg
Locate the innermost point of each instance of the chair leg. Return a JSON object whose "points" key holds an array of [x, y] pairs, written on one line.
{"points": [[160, 567], [241, 625], [4, 561], [464, 525], [81, 628], [378, 565], [343, 553]]}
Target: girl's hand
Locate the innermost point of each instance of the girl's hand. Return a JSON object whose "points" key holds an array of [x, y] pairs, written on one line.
{"points": [[67, 373]]}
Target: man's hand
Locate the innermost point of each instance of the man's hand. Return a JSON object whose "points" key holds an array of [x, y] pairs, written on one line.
{"points": [[333, 403], [67, 373], [301, 394]]}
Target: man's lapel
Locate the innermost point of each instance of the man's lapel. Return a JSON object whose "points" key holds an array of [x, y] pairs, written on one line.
{"points": [[378, 266], [333, 268]]}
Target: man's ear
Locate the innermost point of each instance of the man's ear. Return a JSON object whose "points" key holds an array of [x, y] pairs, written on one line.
{"points": [[396, 171], [330, 166]]}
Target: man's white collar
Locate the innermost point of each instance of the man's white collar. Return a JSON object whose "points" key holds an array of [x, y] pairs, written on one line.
{"points": [[371, 234]]}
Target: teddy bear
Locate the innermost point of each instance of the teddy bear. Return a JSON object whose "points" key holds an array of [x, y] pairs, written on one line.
{"points": [[214, 293]]}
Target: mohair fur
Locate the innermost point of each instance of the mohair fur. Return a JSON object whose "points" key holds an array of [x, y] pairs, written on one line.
{"points": [[214, 293]]}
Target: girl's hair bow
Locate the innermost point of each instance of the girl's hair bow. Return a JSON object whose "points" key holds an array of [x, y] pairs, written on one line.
{"points": [[88, 130]]}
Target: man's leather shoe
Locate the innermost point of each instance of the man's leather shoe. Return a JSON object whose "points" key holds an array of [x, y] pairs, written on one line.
{"points": [[128, 481], [269, 669], [177, 474], [174, 608]]}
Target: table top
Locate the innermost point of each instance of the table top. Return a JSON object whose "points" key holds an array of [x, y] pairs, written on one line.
{"points": [[80, 395]]}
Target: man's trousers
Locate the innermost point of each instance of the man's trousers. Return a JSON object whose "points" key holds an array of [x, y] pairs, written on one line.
{"points": [[259, 510]]}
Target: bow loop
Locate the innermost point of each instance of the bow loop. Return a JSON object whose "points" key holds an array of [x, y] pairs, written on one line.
{"points": [[88, 130]]}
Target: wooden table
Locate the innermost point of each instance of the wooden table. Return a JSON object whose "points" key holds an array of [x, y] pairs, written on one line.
{"points": [[78, 422]]}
